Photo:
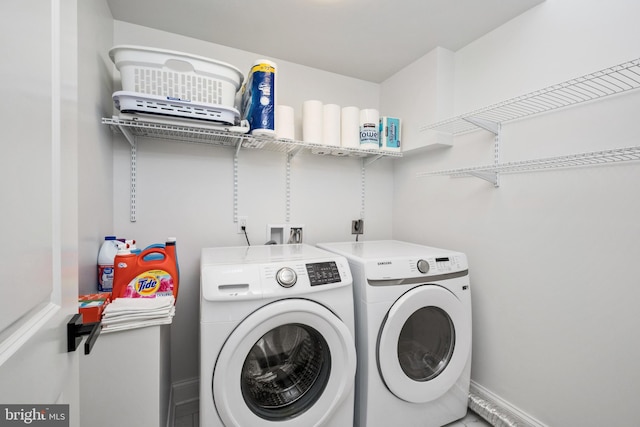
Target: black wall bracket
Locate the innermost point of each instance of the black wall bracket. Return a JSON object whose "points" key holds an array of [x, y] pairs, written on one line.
{"points": [[76, 330]]}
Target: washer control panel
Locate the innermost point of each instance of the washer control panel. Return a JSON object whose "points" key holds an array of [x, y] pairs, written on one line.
{"points": [[322, 273], [271, 271], [300, 277]]}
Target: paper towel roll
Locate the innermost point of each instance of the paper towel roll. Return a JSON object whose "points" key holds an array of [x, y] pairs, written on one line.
{"points": [[312, 121], [369, 123], [350, 127], [331, 125], [285, 127]]}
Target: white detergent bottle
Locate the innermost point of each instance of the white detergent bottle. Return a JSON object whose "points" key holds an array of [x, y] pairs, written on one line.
{"points": [[107, 253]]}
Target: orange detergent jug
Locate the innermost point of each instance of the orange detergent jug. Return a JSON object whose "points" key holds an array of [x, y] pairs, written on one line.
{"points": [[151, 273]]}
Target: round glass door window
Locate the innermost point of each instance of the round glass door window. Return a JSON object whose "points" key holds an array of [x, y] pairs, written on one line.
{"points": [[426, 342], [285, 372]]}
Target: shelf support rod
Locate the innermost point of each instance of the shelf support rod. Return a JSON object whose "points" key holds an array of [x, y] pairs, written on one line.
{"points": [[132, 181], [294, 152], [496, 129], [492, 177], [132, 177], [377, 157], [128, 135], [487, 125], [235, 180], [496, 153], [235, 186], [363, 181], [287, 206]]}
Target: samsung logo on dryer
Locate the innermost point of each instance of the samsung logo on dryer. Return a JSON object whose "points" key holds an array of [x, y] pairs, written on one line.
{"points": [[384, 263]]}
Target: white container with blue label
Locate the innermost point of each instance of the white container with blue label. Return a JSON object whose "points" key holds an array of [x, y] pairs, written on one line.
{"points": [[259, 98], [107, 253], [369, 123]]}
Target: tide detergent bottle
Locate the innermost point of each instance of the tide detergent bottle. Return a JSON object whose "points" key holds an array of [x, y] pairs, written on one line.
{"points": [[150, 273]]}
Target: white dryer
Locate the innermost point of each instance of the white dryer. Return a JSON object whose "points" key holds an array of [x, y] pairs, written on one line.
{"points": [[276, 337], [413, 332]]}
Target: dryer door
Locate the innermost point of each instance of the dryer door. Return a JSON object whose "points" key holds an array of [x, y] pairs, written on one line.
{"points": [[424, 343], [291, 362]]}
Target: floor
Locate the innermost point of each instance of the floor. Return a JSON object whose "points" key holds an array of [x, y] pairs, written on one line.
{"points": [[189, 420], [471, 420]]}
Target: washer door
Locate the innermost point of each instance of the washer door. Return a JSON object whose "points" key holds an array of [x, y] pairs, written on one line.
{"points": [[424, 344], [291, 362]]}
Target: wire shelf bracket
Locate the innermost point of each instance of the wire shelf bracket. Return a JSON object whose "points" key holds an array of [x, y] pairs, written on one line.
{"points": [[127, 135], [490, 176], [488, 125]]}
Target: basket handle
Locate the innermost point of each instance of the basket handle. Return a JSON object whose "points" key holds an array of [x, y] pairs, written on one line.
{"points": [[179, 65]]}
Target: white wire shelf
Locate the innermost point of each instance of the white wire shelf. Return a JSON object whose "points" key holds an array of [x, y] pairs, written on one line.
{"points": [[610, 81], [236, 140], [591, 158], [231, 137]]}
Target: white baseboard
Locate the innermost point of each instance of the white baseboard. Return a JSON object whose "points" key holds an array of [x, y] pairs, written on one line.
{"points": [[505, 405], [184, 399]]}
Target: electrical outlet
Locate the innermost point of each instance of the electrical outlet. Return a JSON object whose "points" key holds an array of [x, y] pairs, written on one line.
{"points": [[242, 222], [357, 226]]}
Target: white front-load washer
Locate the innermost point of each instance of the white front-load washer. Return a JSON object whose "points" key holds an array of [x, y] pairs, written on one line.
{"points": [[276, 337], [413, 332]]}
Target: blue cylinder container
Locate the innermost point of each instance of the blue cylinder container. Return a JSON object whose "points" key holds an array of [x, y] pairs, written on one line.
{"points": [[258, 98]]}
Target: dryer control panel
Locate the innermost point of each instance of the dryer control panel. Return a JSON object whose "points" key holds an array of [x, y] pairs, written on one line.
{"points": [[445, 264], [423, 267], [436, 265]]}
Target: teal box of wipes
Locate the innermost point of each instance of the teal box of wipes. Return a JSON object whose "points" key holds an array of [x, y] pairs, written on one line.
{"points": [[390, 133]]}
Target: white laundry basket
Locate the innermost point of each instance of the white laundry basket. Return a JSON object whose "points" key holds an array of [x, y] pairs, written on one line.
{"points": [[176, 75]]}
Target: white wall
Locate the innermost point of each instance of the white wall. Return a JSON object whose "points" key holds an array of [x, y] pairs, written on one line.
{"points": [[95, 148], [552, 253], [420, 93], [186, 190]]}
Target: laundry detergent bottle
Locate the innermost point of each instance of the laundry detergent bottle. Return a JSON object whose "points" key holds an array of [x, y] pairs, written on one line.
{"points": [[151, 273]]}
